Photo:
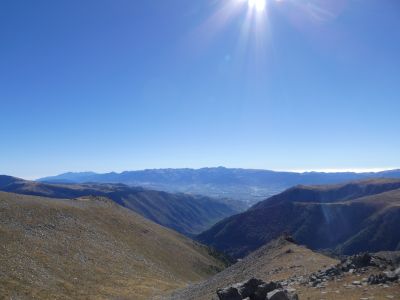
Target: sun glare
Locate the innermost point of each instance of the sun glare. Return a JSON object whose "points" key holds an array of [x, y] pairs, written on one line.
{"points": [[258, 5]]}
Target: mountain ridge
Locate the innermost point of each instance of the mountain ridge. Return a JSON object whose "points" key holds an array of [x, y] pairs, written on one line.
{"points": [[355, 221], [249, 185], [187, 214]]}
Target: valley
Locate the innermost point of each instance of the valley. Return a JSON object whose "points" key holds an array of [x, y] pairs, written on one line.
{"points": [[187, 214], [200, 150], [114, 241], [247, 185]]}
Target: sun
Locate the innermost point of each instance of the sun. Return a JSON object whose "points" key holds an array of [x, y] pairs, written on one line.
{"points": [[258, 5]]}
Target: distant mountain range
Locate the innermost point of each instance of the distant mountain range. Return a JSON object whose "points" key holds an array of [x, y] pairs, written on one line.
{"points": [[247, 185], [344, 218], [187, 214], [91, 248]]}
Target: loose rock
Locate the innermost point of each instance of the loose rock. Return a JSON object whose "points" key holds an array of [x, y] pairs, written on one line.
{"points": [[229, 293], [279, 295], [255, 289]]}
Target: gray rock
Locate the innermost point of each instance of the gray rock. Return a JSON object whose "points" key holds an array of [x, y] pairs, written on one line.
{"points": [[248, 288], [280, 294], [375, 279], [277, 295], [390, 276], [362, 260], [384, 277], [229, 293], [294, 297], [263, 289]]}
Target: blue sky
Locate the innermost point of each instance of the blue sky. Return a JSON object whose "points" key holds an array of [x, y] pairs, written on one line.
{"points": [[123, 85]]}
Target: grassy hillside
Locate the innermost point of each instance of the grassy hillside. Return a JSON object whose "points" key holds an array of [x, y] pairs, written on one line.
{"points": [[91, 248], [348, 218], [184, 213]]}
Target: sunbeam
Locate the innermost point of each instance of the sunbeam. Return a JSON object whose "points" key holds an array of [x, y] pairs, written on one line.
{"points": [[253, 23], [258, 5]]}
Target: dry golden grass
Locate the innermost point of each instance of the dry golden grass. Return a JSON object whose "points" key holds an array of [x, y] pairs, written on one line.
{"points": [[91, 248]]}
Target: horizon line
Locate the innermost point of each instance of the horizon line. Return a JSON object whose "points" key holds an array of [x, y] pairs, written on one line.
{"points": [[300, 171]]}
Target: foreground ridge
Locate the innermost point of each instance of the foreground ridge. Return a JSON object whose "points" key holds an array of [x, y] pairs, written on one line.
{"points": [[295, 270]]}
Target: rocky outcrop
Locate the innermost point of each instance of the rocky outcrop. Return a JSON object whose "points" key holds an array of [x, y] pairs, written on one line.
{"points": [[255, 289], [385, 277], [381, 278], [357, 264]]}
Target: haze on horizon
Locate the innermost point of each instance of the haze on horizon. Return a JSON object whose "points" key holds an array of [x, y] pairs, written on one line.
{"points": [[280, 85], [361, 170]]}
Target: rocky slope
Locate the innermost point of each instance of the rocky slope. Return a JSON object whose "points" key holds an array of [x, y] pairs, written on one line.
{"points": [[186, 214], [91, 248], [278, 260], [294, 272], [347, 218]]}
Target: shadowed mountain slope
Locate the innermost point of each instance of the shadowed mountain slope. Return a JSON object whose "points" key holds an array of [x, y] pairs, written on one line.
{"points": [[91, 248], [347, 218], [184, 213]]}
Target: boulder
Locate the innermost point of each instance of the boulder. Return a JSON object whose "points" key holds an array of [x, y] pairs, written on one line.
{"points": [[294, 297], [356, 262], [390, 276], [384, 277], [263, 289], [248, 288], [377, 279], [362, 260], [229, 293], [280, 294], [255, 289]]}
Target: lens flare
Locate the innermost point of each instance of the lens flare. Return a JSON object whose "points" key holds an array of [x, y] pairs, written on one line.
{"points": [[254, 21], [258, 5]]}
